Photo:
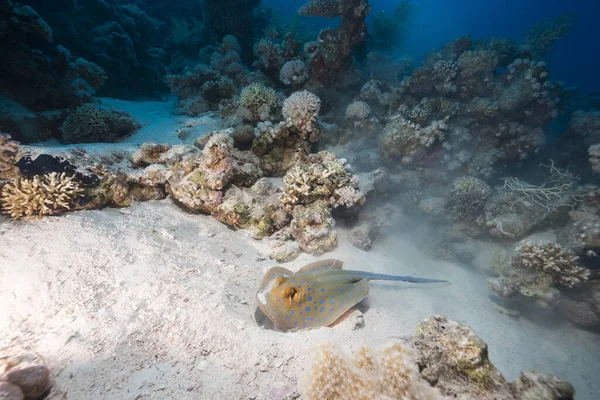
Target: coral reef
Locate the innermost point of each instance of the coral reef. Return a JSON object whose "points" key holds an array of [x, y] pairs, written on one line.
{"points": [[91, 123], [538, 277], [333, 56], [443, 360]]}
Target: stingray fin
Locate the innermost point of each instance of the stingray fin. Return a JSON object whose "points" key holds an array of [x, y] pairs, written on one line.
{"points": [[321, 266]]}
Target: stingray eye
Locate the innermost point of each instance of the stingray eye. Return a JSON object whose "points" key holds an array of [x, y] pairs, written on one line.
{"points": [[279, 280], [289, 292]]}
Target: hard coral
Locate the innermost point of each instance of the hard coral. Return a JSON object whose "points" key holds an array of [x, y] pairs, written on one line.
{"points": [[468, 197], [390, 373], [294, 73], [42, 195], [323, 177], [358, 110], [550, 259], [258, 102], [300, 111], [91, 123]]}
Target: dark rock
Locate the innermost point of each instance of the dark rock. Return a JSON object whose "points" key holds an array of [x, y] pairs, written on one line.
{"points": [[23, 124], [34, 381]]}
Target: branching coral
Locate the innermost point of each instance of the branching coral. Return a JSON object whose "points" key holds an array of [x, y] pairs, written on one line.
{"points": [[390, 373], [323, 177], [550, 259], [556, 192], [542, 35], [301, 110], [257, 102], [41, 195]]}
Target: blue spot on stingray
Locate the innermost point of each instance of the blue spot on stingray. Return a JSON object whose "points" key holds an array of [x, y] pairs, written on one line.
{"points": [[307, 309], [342, 291], [299, 286], [333, 302], [322, 289], [337, 290], [314, 283], [318, 319], [293, 280], [322, 309], [292, 311], [295, 324], [309, 298], [331, 310], [301, 280], [299, 304], [303, 324], [278, 300], [332, 297], [307, 289], [322, 301], [289, 316]]}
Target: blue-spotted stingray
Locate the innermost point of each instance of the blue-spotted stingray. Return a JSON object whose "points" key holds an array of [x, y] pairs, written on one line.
{"points": [[318, 294]]}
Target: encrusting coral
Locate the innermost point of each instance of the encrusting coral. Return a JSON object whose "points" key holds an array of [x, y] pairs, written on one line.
{"points": [[42, 195]]}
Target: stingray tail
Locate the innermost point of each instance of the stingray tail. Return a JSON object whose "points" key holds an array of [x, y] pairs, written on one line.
{"points": [[410, 279]]}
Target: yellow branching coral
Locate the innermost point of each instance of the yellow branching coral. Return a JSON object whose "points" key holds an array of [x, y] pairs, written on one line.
{"points": [[387, 374], [553, 260], [41, 195]]}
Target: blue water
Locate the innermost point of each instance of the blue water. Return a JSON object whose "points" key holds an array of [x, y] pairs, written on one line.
{"points": [[575, 58]]}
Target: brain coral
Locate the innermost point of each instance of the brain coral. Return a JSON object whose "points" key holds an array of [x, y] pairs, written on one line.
{"points": [[91, 123]]}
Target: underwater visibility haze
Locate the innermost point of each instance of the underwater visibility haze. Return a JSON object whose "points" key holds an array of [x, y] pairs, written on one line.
{"points": [[181, 183]]}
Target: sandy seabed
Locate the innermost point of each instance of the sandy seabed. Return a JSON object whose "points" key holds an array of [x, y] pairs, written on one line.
{"points": [[151, 301]]}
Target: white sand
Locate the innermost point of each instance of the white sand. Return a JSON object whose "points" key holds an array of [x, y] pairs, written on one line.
{"points": [[154, 302]]}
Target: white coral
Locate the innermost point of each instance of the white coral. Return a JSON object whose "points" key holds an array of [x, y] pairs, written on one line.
{"points": [[358, 110]]}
